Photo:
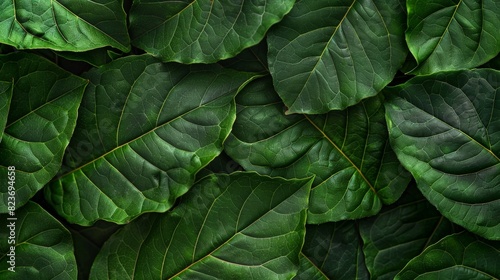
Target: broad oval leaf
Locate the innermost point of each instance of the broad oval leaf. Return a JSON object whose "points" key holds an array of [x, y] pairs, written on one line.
{"points": [[145, 129], [6, 89], [403, 229], [64, 25], [42, 117], [43, 247], [206, 31], [348, 152], [332, 251], [445, 129], [461, 256], [328, 55], [452, 34], [238, 226]]}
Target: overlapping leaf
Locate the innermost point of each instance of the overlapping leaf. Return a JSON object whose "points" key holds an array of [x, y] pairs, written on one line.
{"points": [[43, 246], [347, 151], [445, 129], [239, 226], [328, 55], [145, 129], [65, 25], [193, 31], [460, 256], [400, 232], [41, 119], [5, 97], [332, 251], [452, 34]]}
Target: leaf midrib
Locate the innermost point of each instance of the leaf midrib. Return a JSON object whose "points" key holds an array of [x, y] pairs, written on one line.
{"points": [[358, 170]]}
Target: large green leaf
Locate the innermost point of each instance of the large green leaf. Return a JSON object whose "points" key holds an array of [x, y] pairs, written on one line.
{"points": [[42, 117], [452, 34], [238, 226], [328, 55], [333, 251], [461, 256], [347, 151], [145, 129], [6, 89], [445, 129], [191, 31], [403, 229], [64, 25], [43, 248]]}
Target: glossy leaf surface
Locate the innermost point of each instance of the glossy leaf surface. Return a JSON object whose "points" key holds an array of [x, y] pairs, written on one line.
{"points": [[227, 227], [5, 97], [328, 55], [194, 31], [145, 129], [64, 25], [347, 151], [452, 34], [460, 256], [42, 117], [43, 246], [445, 130], [334, 251], [401, 232]]}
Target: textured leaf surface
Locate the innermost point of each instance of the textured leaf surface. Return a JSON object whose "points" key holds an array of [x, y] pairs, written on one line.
{"points": [[347, 151], [146, 128], [193, 31], [6, 89], [452, 34], [400, 232], [445, 129], [43, 247], [328, 55], [65, 25], [333, 251], [239, 226], [42, 117], [460, 256]]}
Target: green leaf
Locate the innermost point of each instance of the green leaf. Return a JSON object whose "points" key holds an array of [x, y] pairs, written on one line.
{"points": [[460, 256], [145, 129], [42, 117], [96, 57], [193, 31], [253, 59], [64, 25], [445, 129], [6, 89], [238, 226], [332, 251], [43, 247], [347, 151], [452, 34], [403, 229], [328, 55]]}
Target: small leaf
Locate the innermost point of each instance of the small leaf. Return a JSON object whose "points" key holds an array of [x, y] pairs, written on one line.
{"points": [[333, 251], [347, 151], [460, 256], [43, 246], [403, 229], [194, 31], [64, 25], [42, 117], [328, 55], [445, 129], [238, 226], [145, 129], [452, 34]]}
